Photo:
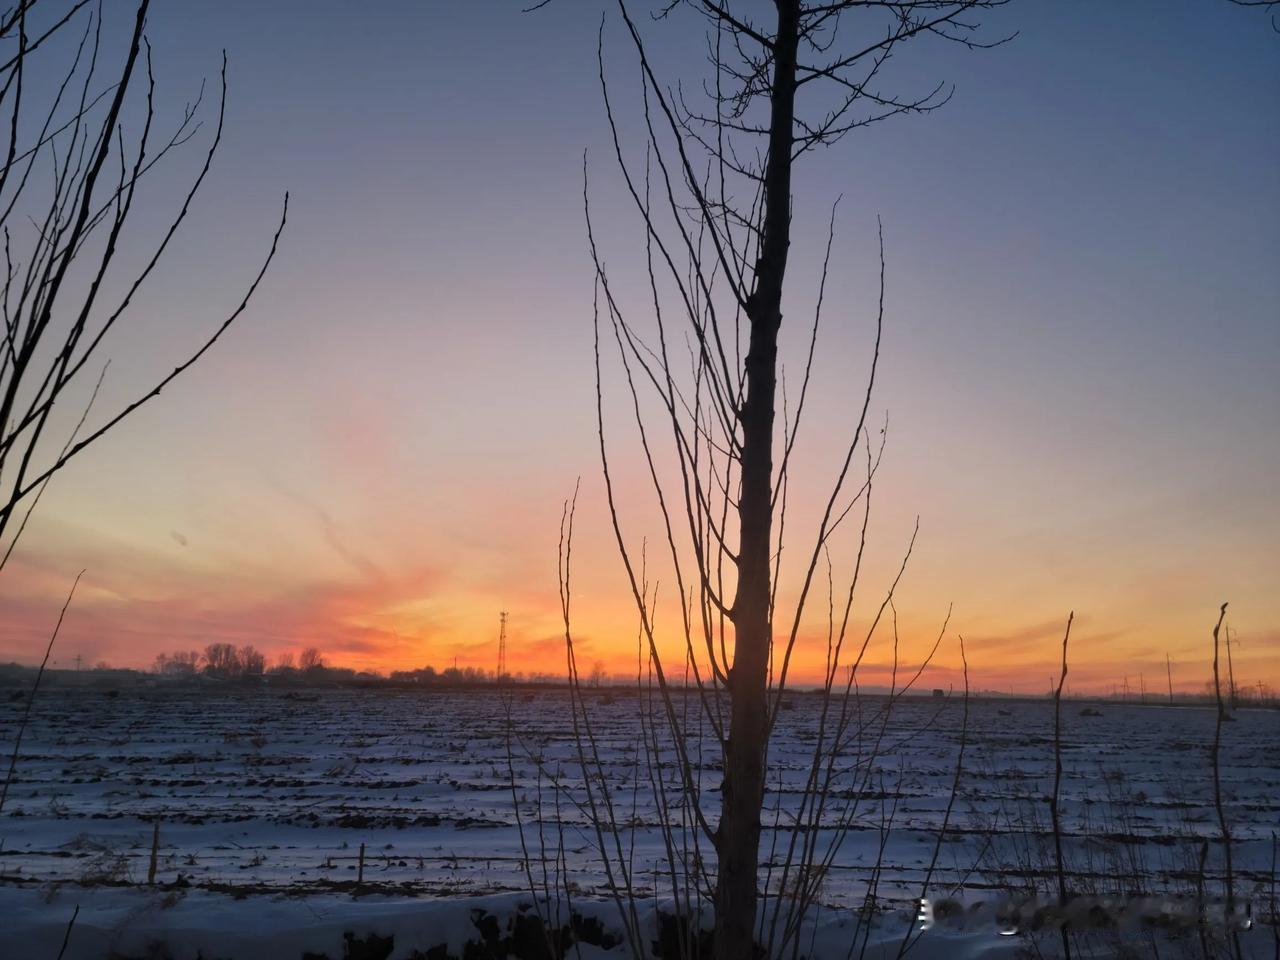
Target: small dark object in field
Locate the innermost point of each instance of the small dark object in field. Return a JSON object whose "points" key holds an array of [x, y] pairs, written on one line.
{"points": [[17, 695], [788, 705], [1099, 919], [1090, 712], [591, 931], [526, 938], [530, 938], [487, 924], [112, 694], [372, 947], [154, 951], [673, 937], [1005, 713]]}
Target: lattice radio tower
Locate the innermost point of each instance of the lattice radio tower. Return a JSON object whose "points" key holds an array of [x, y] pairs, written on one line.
{"points": [[502, 644]]}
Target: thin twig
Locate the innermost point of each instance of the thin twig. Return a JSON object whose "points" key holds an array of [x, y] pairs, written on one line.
{"points": [[31, 698]]}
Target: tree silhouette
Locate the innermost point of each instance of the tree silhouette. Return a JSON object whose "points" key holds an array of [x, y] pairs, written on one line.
{"points": [[222, 660], [713, 198], [68, 186], [1268, 5]]}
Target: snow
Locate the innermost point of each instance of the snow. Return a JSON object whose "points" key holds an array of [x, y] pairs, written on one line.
{"points": [[129, 922], [264, 800]]}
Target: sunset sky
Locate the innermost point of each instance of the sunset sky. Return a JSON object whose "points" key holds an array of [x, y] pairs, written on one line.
{"points": [[1080, 365]]}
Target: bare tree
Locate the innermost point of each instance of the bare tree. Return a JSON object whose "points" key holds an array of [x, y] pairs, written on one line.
{"points": [[713, 198], [1054, 799], [68, 186], [177, 663], [310, 659], [222, 660], [1227, 640], [1215, 755], [252, 663]]}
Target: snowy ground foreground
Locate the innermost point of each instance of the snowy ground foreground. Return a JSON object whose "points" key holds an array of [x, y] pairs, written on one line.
{"points": [[129, 923], [267, 794], [150, 924]]}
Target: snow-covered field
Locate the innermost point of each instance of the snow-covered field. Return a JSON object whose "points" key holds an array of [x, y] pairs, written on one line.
{"points": [[264, 798]]}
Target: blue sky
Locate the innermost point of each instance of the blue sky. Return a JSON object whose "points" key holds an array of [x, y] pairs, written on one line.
{"points": [[1083, 331]]}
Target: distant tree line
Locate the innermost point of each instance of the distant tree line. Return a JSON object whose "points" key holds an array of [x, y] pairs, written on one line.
{"points": [[229, 661], [461, 676]]}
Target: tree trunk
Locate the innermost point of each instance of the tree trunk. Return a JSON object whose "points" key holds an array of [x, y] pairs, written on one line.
{"points": [[738, 835]]}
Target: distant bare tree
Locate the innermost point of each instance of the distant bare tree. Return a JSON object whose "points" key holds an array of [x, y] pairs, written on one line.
{"points": [[69, 182], [252, 663], [310, 659], [712, 195], [177, 663], [222, 660]]}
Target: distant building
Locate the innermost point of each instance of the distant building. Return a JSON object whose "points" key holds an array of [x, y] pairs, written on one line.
{"points": [[939, 692]]}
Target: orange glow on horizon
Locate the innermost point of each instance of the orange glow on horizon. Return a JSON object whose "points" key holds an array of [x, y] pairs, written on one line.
{"points": [[387, 623]]}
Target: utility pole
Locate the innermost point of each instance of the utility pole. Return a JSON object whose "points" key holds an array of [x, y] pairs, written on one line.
{"points": [[1169, 670], [78, 659], [1142, 688], [502, 644]]}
